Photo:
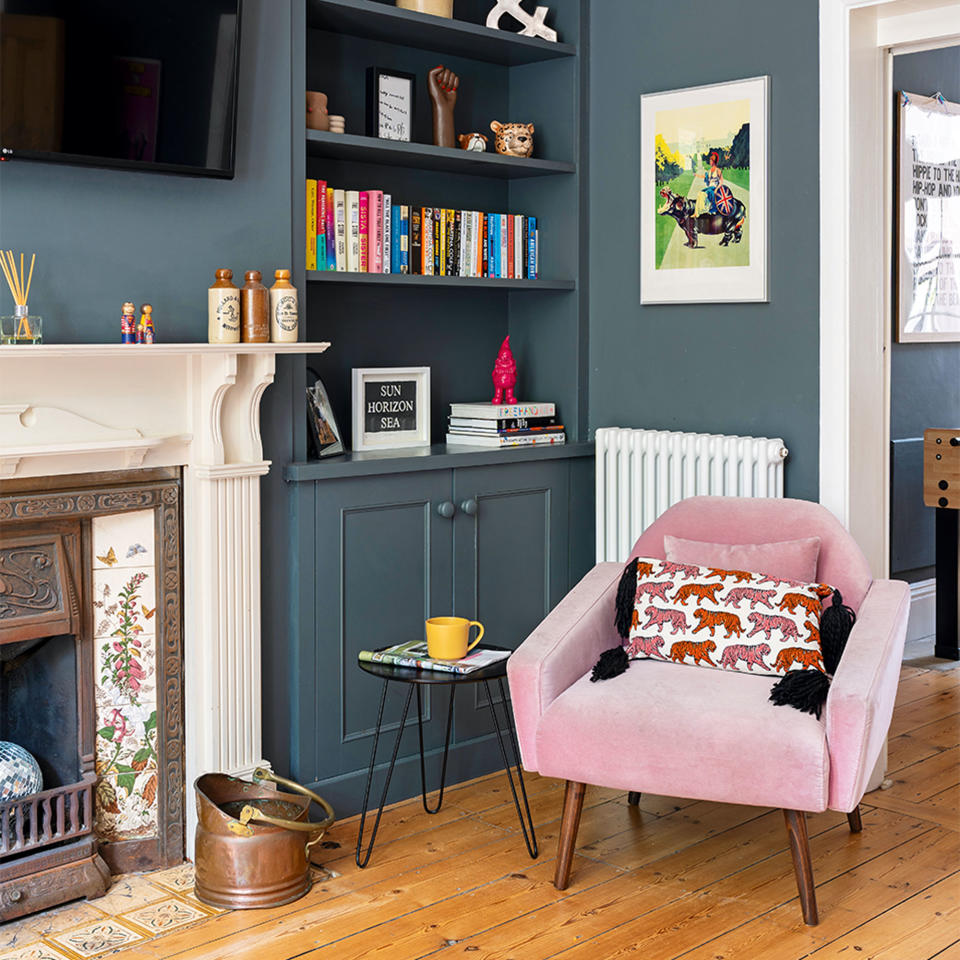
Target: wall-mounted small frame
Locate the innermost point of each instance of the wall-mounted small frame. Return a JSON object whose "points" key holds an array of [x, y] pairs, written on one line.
{"points": [[391, 407], [390, 104]]}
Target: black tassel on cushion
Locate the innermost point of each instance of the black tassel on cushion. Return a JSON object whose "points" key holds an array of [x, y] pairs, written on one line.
{"points": [[612, 663], [626, 598], [615, 661], [807, 690]]}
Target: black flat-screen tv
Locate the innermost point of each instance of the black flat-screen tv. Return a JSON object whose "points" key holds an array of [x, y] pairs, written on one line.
{"points": [[115, 83]]}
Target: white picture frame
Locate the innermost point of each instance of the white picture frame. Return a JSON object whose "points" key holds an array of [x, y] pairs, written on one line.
{"points": [[391, 408], [927, 182], [681, 130]]}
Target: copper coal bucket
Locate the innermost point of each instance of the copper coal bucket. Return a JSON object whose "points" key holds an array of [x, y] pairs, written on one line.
{"points": [[253, 842]]}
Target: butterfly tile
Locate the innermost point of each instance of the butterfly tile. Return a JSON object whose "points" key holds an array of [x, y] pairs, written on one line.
{"points": [[126, 593], [123, 540], [168, 914], [95, 938], [36, 951], [126, 806], [126, 738]]}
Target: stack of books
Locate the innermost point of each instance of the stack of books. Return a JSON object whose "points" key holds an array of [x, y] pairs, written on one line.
{"points": [[366, 231], [504, 424]]}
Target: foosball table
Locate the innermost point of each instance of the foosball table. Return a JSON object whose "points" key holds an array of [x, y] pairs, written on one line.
{"points": [[941, 490]]}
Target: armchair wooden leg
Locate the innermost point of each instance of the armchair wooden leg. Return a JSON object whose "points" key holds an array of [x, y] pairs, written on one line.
{"points": [[633, 798], [853, 818], [572, 807], [796, 821]]}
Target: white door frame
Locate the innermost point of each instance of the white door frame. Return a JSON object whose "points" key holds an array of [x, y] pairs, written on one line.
{"points": [[855, 212]]}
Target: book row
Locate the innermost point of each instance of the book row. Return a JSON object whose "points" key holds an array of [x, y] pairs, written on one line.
{"points": [[365, 231]]}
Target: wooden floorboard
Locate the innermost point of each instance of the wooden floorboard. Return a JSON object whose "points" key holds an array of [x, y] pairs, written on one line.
{"points": [[671, 878]]}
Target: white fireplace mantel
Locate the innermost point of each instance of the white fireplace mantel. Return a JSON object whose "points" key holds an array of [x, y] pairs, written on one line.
{"points": [[95, 407]]}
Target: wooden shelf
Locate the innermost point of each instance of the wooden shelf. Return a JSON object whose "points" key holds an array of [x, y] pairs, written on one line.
{"points": [[440, 456], [378, 21], [417, 280], [425, 156]]}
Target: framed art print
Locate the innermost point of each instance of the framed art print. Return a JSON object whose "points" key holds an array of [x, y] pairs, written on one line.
{"points": [[703, 196], [390, 100], [928, 219], [391, 407]]}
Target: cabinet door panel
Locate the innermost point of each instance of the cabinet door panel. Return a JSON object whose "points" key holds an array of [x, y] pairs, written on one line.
{"points": [[383, 560], [510, 558]]}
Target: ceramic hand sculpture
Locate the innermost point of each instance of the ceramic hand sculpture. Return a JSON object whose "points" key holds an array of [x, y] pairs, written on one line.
{"points": [[504, 374], [443, 84]]}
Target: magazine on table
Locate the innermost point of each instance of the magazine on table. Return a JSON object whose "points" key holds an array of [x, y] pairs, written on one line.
{"points": [[414, 654]]}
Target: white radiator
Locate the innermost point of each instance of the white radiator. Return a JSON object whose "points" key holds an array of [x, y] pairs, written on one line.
{"points": [[640, 473]]}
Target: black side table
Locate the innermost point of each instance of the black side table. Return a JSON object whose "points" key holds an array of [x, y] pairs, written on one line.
{"points": [[415, 679]]}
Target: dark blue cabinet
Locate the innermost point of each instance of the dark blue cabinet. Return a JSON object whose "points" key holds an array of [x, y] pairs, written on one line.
{"points": [[378, 556]]}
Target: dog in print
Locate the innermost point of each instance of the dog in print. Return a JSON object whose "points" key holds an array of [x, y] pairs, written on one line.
{"points": [[647, 646], [766, 623], [739, 576], [753, 595], [688, 648], [790, 602], [702, 591], [750, 655], [806, 658], [658, 617], [687, 570], [710, 619], [655, 589]]}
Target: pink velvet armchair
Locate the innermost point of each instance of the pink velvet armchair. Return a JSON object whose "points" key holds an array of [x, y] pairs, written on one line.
{"points": [[705, 734]]}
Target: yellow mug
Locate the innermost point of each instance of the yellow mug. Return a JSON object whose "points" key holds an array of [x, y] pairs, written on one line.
{"points": [[448, 637]]}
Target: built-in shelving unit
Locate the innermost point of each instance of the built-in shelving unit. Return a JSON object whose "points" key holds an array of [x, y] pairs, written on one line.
{"points": [[416, 280]]}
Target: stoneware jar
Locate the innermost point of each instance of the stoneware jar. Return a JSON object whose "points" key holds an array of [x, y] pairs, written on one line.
{"points": [[223, 309], [439, 8], [317, 116], [284, 311]]}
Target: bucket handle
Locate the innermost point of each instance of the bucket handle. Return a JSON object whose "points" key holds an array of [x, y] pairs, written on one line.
{"points": [[249, 813]]}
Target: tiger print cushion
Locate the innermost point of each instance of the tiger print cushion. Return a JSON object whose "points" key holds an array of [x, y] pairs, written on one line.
{"points": [[729, 619]]}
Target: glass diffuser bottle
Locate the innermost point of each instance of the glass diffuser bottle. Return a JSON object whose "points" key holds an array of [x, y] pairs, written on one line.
{"points": [[21, 327]]}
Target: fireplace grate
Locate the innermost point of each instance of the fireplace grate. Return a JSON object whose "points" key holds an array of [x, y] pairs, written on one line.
{"points": [[42, 819]]}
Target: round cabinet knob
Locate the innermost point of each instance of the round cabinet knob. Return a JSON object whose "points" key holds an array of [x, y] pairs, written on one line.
{"points": [[954, 442], [446, 509], [469, 507]]}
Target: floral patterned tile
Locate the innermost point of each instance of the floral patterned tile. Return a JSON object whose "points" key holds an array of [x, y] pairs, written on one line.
{"points": [[126, 740], [94, 938], [123, 540], [124, 598], [126, 806], [179, 879], [125, 669], [27, 930], [157, 918], [128, 892], [36, 951]]}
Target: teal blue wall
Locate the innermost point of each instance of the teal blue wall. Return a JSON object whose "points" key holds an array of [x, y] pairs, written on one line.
{"points": [[105, 236], [732, 368]]}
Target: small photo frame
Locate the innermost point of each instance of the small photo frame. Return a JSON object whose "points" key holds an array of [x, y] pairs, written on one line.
{"points": [[390, 104], [323, 424], [391, 407]]}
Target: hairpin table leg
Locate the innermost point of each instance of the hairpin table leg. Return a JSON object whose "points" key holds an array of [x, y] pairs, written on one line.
{"points": [[446, 750], [386, 785], [530, 839]]}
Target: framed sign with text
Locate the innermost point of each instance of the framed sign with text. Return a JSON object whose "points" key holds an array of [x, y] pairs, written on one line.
{"points": [[391, 407], [928, 219], [390, 97]]}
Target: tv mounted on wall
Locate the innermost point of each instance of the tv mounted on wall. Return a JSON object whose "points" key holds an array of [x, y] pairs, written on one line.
{"points": [[110, 83]]}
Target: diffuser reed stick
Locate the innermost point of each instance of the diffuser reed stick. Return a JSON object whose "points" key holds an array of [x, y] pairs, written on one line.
{"points": [[19, 288]]}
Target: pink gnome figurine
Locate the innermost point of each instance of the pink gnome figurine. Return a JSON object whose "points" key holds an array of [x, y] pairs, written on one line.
{"points": [[504, 374]]}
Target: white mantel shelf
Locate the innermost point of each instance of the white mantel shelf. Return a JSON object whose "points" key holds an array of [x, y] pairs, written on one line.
{"points": [[79, 408], [111, 350]]}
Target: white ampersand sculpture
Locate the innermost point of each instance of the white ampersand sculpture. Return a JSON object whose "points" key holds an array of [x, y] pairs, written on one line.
{"points": [[533, 24]]}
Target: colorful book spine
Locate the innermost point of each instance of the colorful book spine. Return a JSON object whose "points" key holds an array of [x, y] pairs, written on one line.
{"points": [[340, 220], [387, 233], [518, 246], [466, 259], [353, 231], [426, 221], [485, 264], [503, 263], [536, 253], [531, 248], [311, 224], [364, 232], [416, 240], [321, 224], [451, 242], [404, 239], [374, 218], [510, 250], [331, 232], [395, 240], [436, 241]]}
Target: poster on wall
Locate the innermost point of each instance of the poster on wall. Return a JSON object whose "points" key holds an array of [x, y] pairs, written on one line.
{"points": [[703, 199], [928, 219]]}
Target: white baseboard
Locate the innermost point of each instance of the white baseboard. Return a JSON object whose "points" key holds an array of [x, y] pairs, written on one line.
{"points": [[923, 614]]}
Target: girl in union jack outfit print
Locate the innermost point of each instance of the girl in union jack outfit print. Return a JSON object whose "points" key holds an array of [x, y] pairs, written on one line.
{"points": [[712, 179]]}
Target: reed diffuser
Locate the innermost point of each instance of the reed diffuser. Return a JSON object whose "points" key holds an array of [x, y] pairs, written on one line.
{"points": [[21, 327]]}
